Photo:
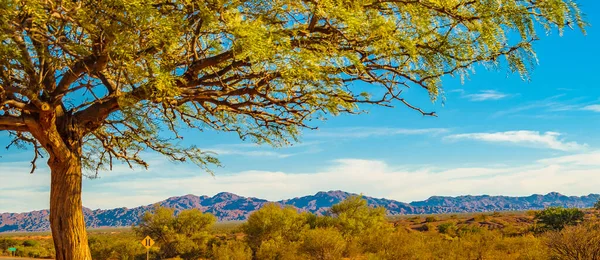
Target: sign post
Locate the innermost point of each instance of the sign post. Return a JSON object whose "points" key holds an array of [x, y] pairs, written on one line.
{"points": [[12, 251], [147, 243]]}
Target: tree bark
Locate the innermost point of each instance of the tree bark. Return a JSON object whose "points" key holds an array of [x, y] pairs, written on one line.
{"points": [[66, 212]]}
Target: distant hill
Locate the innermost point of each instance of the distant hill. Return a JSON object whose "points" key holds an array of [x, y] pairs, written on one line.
{"points": [[227, 206]]}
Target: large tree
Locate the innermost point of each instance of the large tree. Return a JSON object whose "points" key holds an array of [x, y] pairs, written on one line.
{"points": [[89, 82]]}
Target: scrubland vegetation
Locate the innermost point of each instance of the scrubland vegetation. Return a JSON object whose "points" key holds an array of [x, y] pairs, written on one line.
{"points": [[351, 230]]}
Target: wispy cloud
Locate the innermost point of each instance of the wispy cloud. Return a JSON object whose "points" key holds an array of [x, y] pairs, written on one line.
{"points": [[458, 90], [251, 153], [255, 150], [486, 95], [584, 159], [551, 104], [594, 108], [364, 132], [533, 139]]}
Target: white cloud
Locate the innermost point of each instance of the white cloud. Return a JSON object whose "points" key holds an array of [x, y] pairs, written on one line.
{"points": [[251, 153], [21, 191], [573, 175], [371, 177], [594, 108], [363, 132], [255, 150], [523, 138], [485, 95], [458, 90], [585, 159]]}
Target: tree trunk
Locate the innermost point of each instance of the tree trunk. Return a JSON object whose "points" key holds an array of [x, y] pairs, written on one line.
{"points": [[66, 215]]}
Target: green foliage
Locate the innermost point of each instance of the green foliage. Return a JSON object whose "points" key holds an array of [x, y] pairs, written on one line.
{"points": [[42, 248], [353, 216], [448, 228], [30, 243], [597, 205], [274, 225], [5, 243], [556, 218], [120, 246], [466, 230], [323, 244], [262, 69], [185, 235], [278, 249], [231, 250]]}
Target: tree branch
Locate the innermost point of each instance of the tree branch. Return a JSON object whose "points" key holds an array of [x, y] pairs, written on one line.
{"points": [[13, 123]]}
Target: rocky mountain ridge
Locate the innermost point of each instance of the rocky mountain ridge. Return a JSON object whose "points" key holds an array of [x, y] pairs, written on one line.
{"points": [[228, 206]]}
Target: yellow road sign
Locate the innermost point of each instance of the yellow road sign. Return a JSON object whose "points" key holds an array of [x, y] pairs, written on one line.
{"points": [[147, 242]]}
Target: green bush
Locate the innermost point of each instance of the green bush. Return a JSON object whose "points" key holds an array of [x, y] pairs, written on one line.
{"points": [[276, 224], [323, 244], [448, 228], [185, 235], [231, 250], [5, 243], [556, 218], [353, 216], [30, 243], [278, 249]]}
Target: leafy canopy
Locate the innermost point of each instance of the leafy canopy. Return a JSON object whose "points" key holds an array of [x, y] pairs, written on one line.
{"points": [[112, 78], [557, 218], [185, 235]]}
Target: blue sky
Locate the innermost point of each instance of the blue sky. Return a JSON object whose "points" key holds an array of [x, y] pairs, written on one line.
{"points": [[495, 134]]}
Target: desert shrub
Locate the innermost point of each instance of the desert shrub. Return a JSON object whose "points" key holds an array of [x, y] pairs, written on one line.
{"points": [[30, 243], [278, 249], [353, 216], [315, 221], [116, 246], [597, 205], [430, 219], [322, 244], [274, 223], [486, 244], [5, 243], [185, 235], [401, 244], [448, 228], [231, 250], [575, 242], [466, 230], [513, 231], [556, 218]]}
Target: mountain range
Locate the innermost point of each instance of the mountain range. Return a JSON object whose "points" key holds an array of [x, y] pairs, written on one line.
{"points": [[228, 206]]}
